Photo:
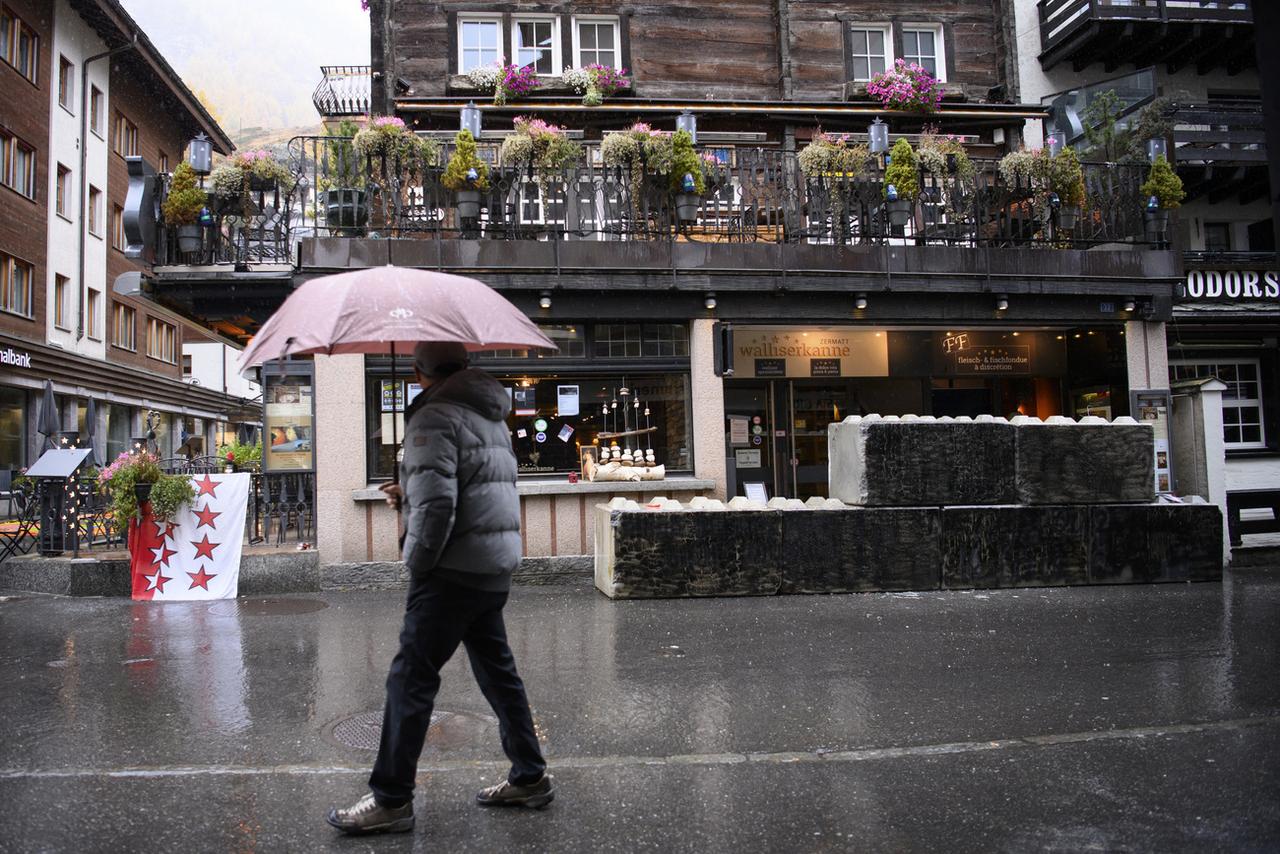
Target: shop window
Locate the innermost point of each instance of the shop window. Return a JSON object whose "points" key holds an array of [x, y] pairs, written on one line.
{"points": [[554, 417], [13, 403], [617, 340], [633, 340], [570, 339], [119, 430], [1242, 425], [16, 278], [596, 42]]}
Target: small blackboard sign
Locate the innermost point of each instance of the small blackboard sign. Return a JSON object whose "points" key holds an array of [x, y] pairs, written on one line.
{"points": [[824, 367], [771, 367]]}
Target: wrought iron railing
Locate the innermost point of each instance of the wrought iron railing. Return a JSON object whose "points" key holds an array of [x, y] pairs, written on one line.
{"points": [[754, 196], [344, 90], [258, 229]]}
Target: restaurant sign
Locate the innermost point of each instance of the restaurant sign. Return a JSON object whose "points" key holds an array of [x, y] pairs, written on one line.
{"points": [[794, 351], [1231, 285]]}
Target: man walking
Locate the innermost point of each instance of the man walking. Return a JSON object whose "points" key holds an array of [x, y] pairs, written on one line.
{"points": [[461, 543]]}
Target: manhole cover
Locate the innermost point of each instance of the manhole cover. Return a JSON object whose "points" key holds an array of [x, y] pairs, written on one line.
{"points": [[448, 730], [266, 607]]}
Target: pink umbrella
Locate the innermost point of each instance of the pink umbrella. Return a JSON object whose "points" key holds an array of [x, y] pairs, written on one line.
{"points": [[390, 309]]}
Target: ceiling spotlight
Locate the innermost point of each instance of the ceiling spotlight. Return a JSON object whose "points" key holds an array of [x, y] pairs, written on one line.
{"points": [[710, 301], [1002, 302], [860, 302], [544, 301], [1130, 305]]}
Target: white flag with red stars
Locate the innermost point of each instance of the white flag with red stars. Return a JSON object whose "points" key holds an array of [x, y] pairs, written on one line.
{"points": [[196, 554]]}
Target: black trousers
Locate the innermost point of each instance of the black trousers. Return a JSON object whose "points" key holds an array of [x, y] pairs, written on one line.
{"points": [[439, 616]]}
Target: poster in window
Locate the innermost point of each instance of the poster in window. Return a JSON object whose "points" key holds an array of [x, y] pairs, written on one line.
{"points": [[567, 400], [289, 431], [525, 402]]}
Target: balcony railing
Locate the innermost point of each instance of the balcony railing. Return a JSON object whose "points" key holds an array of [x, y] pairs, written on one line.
{"points": [[754, 196], [1085, 30], [1207, 133], [344, 90]]}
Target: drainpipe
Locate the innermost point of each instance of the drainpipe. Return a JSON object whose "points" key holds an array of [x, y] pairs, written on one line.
{"points": [[84, 165]]}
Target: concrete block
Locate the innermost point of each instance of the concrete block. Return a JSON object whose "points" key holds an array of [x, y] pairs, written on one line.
{"points": [[915, 462], [64, 576], [1155, 542], [861, 549], [280, 572], [1015, 546], [650, 554], [1061, 461], [366, 575]]}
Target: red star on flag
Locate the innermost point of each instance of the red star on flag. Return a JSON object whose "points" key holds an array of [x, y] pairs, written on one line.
{"points": [[160, 556], [164, 529], [204, 548], [206, 486], [206, 517], [157, 581], [200, 579]]}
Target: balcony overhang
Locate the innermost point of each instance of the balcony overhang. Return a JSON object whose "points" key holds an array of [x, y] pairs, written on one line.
{"points": [[1209, 34]]}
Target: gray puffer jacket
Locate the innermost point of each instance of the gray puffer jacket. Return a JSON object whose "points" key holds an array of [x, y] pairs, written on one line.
{"points": [[459, 480]]}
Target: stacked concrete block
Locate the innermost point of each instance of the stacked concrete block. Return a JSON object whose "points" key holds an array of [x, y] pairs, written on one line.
{"points": [[857, 549], [662, 551], [1014, 546], [1155, 543], [921, 461], [1092, 461]]}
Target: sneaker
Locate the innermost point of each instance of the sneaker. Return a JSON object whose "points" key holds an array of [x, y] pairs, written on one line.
{"points": [[505, 794], [365, 816]]}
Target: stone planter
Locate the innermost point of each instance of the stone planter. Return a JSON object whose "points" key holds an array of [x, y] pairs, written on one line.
{"points": [[899, 211], [687, 205], [189, 238], [1157, 223], [345, 208], [468, 203]]}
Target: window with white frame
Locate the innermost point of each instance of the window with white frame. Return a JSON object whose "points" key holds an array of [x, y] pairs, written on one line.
{"points": [[93, 326], [16, 281], [536, 42], [62, 302], [17, 165], [870, 50], [1242, 426], [922, 46], [162, 341], [66, 82], [479, 42], [596, 42], [95, 110]]}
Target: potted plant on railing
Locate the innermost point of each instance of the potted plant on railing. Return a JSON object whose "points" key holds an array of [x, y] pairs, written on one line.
{"points": [[901, 182], [342, 194], [466, 175], [687, 179], [544, 148], [1163, 191], [134, 479], [238, 456], [951, 171], [234, 181], [836, 163], [1066, 187], [596, 82], [182, 207]]}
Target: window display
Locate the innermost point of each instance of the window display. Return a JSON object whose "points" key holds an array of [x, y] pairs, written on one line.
{"points": [[288, 418]]}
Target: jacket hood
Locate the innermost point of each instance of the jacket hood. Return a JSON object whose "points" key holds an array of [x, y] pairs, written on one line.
{"points": [[475, 390]]}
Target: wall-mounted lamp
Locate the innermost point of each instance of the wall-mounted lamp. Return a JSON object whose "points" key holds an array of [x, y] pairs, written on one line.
{"points": [[1157, 147], [710, 301], [1130, 305], [860, 302], [1002, 302], [687, 121], [200, 154], [878, 136], [470, 119], [544, 300]]}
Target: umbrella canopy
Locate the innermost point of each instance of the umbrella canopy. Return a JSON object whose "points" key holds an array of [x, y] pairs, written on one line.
{"points": [[48, 424], [389, 310], [88, 440]]}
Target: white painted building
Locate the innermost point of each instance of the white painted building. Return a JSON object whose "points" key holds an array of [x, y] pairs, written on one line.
{"points": [[76, 302], [212, 365]]}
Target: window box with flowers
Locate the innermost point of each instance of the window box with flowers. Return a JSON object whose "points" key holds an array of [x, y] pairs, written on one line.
{"points": [[907, 88], [596, 82]]}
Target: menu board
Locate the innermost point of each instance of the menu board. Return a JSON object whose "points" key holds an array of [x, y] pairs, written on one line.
{"points": [[289, 429]]}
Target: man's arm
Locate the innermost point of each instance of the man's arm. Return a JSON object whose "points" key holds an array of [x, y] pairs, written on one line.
{"points": [[430, 488]]}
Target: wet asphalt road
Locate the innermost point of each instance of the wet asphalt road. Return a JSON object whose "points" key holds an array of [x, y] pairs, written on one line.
{"points": [[1085, 719]]}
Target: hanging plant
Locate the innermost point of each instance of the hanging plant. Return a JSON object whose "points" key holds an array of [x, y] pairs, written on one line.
{"points": [[386, 141], [595, 82], [944, 159], [543, 148], [907, 87], [828, 156]]}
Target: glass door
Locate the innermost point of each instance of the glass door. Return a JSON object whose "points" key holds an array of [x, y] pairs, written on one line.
{"points": [[749, 424], [814, 405]]}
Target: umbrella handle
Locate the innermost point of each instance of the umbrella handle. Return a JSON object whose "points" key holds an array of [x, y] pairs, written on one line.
{"points": [[395, 431]]}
